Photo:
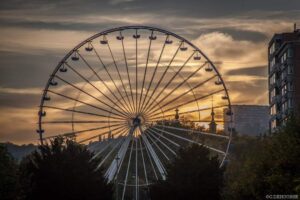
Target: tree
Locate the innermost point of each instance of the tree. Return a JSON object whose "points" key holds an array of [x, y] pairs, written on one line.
{"points": [[194, 174], [265, 165], [62, 170], [8, 175]]}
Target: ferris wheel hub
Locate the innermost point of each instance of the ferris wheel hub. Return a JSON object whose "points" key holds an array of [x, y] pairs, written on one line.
{"points": [[136, 121]]}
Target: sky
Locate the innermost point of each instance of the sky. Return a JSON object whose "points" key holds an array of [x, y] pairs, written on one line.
{"points": [[36, 34]]}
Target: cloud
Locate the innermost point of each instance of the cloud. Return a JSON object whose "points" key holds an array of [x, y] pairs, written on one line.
{"points": [[250, 71]]}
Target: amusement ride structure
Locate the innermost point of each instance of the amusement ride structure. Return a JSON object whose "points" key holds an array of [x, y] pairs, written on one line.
{"points": [[135, 95]]}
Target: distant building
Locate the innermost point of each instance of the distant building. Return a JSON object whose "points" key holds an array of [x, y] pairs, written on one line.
{"points": [[247, 119], [284, 77]]}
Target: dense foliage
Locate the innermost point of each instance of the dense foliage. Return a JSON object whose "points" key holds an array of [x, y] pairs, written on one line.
{"points": [[62, 170], [268, 165], [192, 175]]}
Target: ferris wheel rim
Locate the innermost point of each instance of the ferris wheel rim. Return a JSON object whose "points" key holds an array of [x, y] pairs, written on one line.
{"points": [[122, 28]]}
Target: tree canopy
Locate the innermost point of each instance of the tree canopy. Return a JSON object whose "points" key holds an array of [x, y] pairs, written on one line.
{"points": [[62, 170], [194, 174], [265, 165]]}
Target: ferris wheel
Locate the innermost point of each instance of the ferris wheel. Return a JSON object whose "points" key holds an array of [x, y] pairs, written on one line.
{"points": [[135, 95]]}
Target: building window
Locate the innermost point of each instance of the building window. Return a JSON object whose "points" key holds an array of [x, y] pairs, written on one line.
{"points": [[290, 86], [272, 79], [290, 103], [283, 107], [272, 63], [283, 58], [283, 75], [272, 48], [290, 53], [290, 69], [273, 110], [273, 94], [283, 90]]}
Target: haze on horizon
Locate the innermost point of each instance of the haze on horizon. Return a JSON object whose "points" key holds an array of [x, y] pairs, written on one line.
{"points": [[35, 35]]}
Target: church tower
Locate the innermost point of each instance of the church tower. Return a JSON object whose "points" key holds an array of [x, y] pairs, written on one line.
{"points": [[177, 115], [212, 124]]}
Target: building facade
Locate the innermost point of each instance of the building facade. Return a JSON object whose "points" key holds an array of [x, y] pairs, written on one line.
{"points": [[250, 120], [284, 77]]}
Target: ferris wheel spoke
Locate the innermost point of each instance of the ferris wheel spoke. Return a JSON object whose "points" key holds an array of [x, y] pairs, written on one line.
{"points": [[187, 92], [107, 132], [150, 133], [136, 170], [173, 77], [161, 135], [154, 73], [79, 101], [188, 102], [126, 65], [157, 146], [177, 87], [150, 160], [145, 72], [127, 170], [136, 71], [186, 112], [112, 80], [154, 156], [103, 82], [79, 122], [73, 133], [92, 96], [106, 146], [91, 129], [168, 66], [110, 152], [113, 170], [81, 112], [191, 141], [143, 159], [116, 66], [195, 131]]}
